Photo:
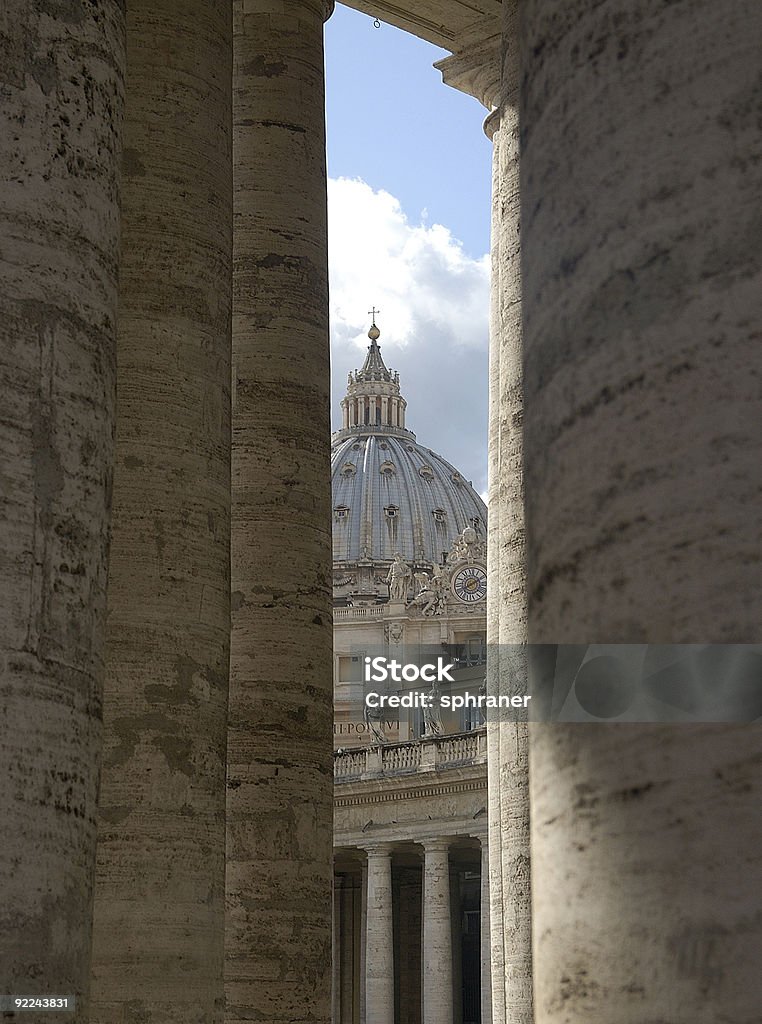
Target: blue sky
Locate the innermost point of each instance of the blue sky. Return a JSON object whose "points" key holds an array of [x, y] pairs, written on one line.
{"points": [[392, 122], [409, 206]]}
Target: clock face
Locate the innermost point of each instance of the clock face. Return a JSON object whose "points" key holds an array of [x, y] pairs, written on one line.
{"points": [[469, 584]]}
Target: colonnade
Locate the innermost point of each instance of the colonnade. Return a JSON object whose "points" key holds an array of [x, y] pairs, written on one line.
{"points": [[401, 945], [624, 488]]}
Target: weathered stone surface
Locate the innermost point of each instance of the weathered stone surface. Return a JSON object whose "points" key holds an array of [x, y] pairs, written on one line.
{"points": [[159, 912], [640, 220], [506, 599], [61, 90], [280, 737], [379, 938], [640, 204], [437, 934]]}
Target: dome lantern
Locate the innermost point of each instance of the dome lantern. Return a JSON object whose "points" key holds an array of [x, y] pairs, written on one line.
{"points": [[373, 400]]}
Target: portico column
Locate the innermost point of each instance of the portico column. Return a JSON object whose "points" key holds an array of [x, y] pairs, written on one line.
{"points": [[347, 950], [363, 938], [61, 128], [379, 943], [640, 165], [280, 779], [484, 936], [508, 739], [336, 944], [437, 934], [159, 906]]}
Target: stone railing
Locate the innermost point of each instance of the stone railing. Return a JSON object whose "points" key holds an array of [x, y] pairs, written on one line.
{"points": [[371, 612], [417, 756]]}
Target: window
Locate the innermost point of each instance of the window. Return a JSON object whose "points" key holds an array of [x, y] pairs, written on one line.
{"points": [[341, 512], [439, 515], [471, 718], [387, 468], [391, 511]]}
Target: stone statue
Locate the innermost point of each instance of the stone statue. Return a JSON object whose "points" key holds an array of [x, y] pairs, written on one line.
{"points": [[431, 712], [398, 578], [374, 718], [467, 548], [432, 591]]}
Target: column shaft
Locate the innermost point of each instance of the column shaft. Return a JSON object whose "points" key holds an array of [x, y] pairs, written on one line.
{"points": [[280, 780], [437, 935], [643, 462], [347, 951], [338, 939], [160, 878], [484, 935], [492, 128], [379, 943], [363, 940], [60, 122], [508, 763]]}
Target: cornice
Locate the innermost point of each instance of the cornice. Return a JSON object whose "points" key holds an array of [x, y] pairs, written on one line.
{"points": [[475, 65], [420, 792]]}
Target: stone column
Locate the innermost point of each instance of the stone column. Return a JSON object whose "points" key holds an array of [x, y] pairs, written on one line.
{"points": [[60, 122], [496, 959], [379, 942], [159, 910], [363, 939], [484, 935], [640, 232], [347, 951], [336, 944], [437, 934], [280, 772], [508, 741]]}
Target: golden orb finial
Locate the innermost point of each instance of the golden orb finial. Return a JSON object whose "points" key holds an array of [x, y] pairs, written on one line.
{"points": [[374, 334]]}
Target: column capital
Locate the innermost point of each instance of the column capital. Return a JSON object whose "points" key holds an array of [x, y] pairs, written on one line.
{"points": [[379, 849], [475, 65], [436, 843], [492, 122], [323, 7]]}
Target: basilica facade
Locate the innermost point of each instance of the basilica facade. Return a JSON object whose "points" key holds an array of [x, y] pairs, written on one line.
{"points": [[411, 900]]}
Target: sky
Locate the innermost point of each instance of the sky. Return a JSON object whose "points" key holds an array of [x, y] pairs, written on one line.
{"points": [[409, 187]]}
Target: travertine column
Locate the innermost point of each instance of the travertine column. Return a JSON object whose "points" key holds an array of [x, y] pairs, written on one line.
{"points": [[280, 778], [61, 76], [484, 935], [640, 201], [347, 952], [437, 934], [363, 938], [379, 941], [159, 911], [508, 765], [337, 938], [496, 959]]}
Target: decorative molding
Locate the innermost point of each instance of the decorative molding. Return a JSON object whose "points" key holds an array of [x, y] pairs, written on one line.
{"points": [[421, 792], [475, 65]]}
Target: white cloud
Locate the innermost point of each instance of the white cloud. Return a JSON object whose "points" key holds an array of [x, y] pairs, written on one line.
{"points": [[434, 303]]}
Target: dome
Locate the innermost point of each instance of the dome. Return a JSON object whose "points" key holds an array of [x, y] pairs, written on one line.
{"points": [[391, 494]]}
